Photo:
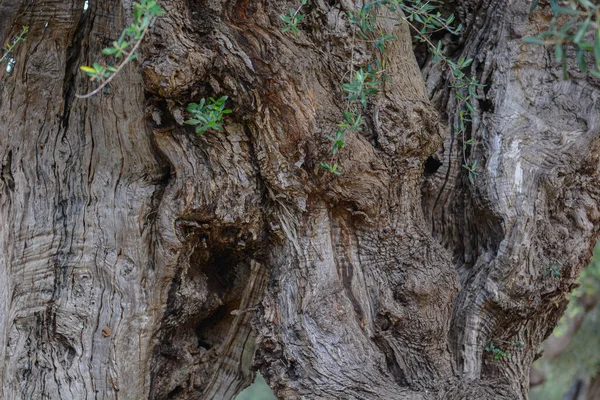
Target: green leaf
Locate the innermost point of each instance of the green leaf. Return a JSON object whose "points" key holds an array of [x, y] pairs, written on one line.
{"points": [[109, 50], [580, 57], [582, 30], [87, 69], [566, 11], [137, 12], [470, 108], [558, 52], [533, 40], [156, 10], [363, 99]]}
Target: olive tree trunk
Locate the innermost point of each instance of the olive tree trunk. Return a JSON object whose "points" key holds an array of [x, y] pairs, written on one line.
{"points": [[141, 261]]}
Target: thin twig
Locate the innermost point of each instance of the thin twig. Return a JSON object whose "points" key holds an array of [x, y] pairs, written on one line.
{"points": [[121, 66]]}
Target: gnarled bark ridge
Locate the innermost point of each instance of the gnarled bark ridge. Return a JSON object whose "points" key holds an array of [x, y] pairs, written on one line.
{"points": [[141, 261]]}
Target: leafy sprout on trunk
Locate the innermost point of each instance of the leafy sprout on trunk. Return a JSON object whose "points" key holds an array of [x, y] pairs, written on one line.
{"points": [[497, 352], [553, 271], [293, 18], [206, 116]]}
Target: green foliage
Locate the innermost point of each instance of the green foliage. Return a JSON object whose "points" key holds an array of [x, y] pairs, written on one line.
{"points": [[293, 18], [472, 170], [352, 122], [424, 13], [581, 32], [206, 116], [364, 18], [360, 87], [497, 352], [425, 19], [337, 140], [145, 14], [465, 88], [379, 43], [9, 48], [553, 271], [97, 71], [331, 168], [465, 91]]}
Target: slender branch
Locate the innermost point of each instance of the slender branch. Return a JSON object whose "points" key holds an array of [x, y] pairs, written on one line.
{"points": [[15, 41], [121, 66]]}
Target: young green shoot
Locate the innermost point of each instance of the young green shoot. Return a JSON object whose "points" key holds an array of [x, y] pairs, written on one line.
{"points": [[207, 115], [293, 18], [497, 352], [553, 271]]}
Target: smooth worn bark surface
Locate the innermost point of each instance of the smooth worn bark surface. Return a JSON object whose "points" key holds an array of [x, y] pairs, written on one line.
{"points": [[141, 261]]}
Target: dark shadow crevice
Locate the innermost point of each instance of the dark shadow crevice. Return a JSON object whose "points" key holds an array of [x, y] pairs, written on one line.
{"points": [[205, 314]]}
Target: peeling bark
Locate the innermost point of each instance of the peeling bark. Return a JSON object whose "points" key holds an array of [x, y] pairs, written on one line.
{"points": [[141, 261]]}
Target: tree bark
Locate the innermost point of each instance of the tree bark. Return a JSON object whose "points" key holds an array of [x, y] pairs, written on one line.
{"points": [[141, 261]]}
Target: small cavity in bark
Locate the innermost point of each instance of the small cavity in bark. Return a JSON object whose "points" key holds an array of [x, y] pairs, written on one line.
{"points": [[432, 165]]}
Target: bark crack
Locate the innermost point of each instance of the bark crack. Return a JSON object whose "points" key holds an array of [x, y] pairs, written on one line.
{"points": [[72, 68]]}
